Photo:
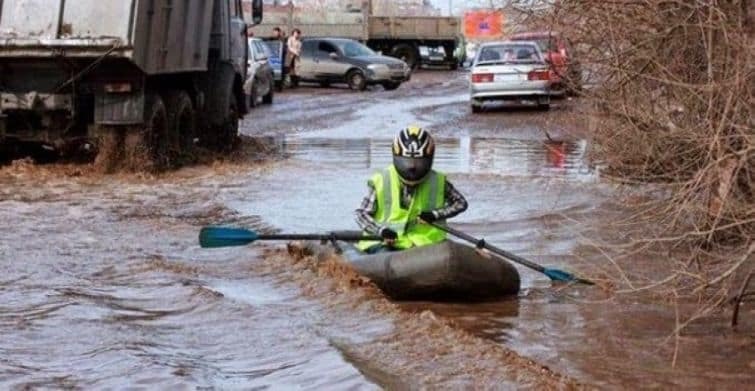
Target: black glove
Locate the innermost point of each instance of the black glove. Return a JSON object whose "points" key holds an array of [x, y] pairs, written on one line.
{"points": [[388, 234], [428, 217]]}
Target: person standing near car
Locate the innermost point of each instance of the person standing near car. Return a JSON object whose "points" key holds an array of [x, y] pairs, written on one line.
{"points": [[293, 54], [280, 35]]}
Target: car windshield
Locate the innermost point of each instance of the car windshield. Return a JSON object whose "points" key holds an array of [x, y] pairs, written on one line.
{"points": [[509, 54], [354, 49]]}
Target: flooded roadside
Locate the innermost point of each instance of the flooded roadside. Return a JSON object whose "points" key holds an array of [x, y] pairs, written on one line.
{"points": [[103, 279]]}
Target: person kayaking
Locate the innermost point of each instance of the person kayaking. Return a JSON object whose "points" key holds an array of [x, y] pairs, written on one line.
{"points": [[406, 194]]}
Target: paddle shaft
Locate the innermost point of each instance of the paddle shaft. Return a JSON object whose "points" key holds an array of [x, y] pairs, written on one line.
{"points": [[345, 238], [490, 247]]}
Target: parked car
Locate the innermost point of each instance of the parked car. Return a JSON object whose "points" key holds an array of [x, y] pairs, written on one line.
{"points": [[336, 60], [436, 56], [432, 55], [567, 72], [510, 71], [259, 84], [275, 48]]}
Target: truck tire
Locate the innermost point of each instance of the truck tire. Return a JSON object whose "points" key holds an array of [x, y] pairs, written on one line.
{"points": [[356, 80], [227, 133], [408, 53], [149, 148], [182, 121]]}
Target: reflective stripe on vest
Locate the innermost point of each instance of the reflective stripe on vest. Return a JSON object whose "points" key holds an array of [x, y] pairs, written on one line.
{"points": [[427, 196]]}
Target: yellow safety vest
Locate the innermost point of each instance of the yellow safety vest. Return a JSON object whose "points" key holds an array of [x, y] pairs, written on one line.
{"points": [[429, 195]]}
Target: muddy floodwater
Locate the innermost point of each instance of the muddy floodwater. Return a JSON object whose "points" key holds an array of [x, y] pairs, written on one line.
{"points": [[103, 284]]}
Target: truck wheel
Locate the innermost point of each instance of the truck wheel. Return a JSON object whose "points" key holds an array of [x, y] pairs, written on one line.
{"points": [[268, 99], [149, 148], [227, 133], [182, 123], [408, 53], [356, 80]]}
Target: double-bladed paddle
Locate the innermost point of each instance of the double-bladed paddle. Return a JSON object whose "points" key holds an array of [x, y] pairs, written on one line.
{"points": [[553, 274]]}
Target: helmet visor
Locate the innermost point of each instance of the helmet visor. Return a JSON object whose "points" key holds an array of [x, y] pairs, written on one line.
{"points": [[411, 169]]}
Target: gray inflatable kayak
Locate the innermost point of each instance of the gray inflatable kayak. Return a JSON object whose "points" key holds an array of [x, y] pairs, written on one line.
{"points": [[444, 271]]}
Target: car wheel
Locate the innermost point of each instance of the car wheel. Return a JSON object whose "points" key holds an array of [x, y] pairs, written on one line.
{"points": [[253, 97], [356, 80], [390, 86], [476, 106], [268, 99]]}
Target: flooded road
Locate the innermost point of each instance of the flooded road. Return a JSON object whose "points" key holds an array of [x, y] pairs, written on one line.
{"points": [[103, 283]]}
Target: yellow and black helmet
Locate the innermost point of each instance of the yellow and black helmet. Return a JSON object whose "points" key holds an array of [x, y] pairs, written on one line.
{"points": [[413, 152]]}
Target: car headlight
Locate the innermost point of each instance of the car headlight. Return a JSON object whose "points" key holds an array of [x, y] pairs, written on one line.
{"points": [[377, 67]]}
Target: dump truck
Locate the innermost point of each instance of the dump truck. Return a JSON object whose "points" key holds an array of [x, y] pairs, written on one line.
{"points": [[125, 78], [382, 27]]}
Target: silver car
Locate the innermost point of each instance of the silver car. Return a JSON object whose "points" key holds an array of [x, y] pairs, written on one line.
{"points": [[510, 71], [334, 60], [260, 80]]}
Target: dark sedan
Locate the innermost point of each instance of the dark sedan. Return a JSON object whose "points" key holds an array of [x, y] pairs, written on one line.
{"points": [[333, 60]]}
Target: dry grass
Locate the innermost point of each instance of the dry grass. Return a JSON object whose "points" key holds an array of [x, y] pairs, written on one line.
{"points": [[672, 104]]}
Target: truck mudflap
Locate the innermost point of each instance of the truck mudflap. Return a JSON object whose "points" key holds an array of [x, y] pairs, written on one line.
{"points": [[121, 108]]}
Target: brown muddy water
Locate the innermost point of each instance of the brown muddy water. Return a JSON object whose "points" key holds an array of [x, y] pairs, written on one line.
{"points": [[103, 284]]}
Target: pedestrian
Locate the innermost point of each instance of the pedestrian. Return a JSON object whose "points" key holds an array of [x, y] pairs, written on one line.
{"points": [[293, 54], [407, 194], [280, 35]]}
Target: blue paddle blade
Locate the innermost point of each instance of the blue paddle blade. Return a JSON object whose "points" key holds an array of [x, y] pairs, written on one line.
{"points": [[213, 237], [559, 275]]}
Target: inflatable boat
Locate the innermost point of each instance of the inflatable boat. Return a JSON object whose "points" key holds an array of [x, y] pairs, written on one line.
{"points": [[445, 271]]}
